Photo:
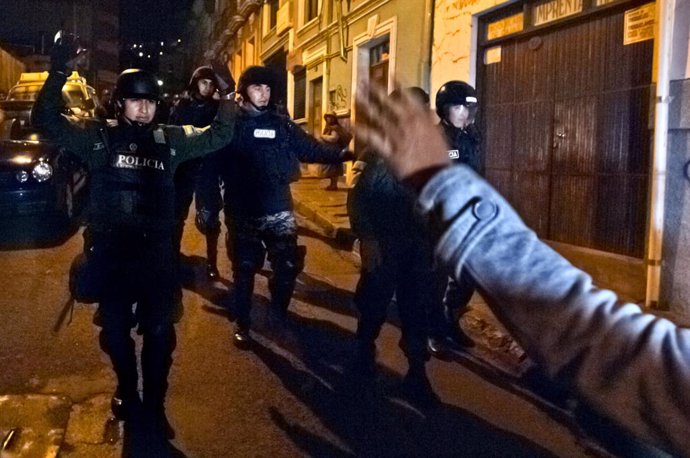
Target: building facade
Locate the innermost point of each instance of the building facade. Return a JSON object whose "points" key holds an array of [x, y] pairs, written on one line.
{"points": [[323, 48], [569, 105]]}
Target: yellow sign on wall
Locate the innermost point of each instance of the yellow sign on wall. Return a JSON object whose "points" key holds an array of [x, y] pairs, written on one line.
{"points": [[552, 10], [639, 24], [505, 26]]}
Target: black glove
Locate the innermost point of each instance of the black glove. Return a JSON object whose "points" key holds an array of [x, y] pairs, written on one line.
{"points": [[226, 83], [347, 155], [65, 49]]}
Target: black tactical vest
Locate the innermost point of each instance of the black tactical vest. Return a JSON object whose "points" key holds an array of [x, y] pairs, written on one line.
{"points": [[134, 189]]}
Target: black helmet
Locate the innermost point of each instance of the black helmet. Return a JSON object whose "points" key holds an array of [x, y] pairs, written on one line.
{"points": [[256, 74], [416, 92], [455, 93], [202, 73], [134, 83]]}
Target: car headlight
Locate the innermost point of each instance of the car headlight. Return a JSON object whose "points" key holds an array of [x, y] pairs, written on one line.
{"points": [[22, 176], [42, 172]]}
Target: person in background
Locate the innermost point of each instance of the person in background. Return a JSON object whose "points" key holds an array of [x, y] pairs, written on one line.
{"points": [[456, 106], [257, 169], [335, 134], [197, 177], [396, 259]]}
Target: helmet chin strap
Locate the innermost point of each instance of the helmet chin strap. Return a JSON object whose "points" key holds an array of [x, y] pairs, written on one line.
{"points": [[256, 107], [135, 123]]}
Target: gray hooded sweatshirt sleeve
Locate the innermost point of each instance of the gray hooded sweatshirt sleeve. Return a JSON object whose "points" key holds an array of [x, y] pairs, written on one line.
{"points": [[631, 366]]}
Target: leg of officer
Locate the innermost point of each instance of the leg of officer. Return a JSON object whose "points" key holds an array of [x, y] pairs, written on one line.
{"points": [[457, 297], [185, 178], [415, 287], [286, 258], [373, 295], [248, 255], [116, 320], [108, 261], [155, 313]]}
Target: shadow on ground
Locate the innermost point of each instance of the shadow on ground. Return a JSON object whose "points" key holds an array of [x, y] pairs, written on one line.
{"points": [[368, 417]]}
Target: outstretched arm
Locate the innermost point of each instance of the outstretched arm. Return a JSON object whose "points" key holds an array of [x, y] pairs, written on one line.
{"points": [[630, 366]]}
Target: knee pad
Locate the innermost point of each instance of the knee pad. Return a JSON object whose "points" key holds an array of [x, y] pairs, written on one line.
{"points": [[207, 222], [289, 261], [162, 334], [248, 258]]}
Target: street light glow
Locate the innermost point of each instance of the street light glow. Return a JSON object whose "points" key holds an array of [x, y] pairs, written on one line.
{"points": [[160, 82], [141, 54]]}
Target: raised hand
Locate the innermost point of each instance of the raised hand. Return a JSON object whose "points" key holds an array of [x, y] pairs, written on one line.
{"points": [[401, 130], [66, 52], [226, 83]]}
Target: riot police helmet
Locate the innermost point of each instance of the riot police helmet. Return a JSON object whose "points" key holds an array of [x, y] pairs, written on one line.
{"points": [[202, 73], [135, 83], [455, 93], [256, 74]]}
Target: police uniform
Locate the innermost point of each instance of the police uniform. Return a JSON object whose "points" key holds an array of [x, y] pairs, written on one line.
{"points": [[257, 169], [193, 177], [128, 239], [382, 210]]}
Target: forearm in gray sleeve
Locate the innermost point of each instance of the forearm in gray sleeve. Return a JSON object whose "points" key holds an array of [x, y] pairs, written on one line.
{"points": [[631, 366]]}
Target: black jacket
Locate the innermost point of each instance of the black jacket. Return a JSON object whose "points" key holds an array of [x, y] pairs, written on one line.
{"points": [[382, 208], [465, 146], [263, 159]]}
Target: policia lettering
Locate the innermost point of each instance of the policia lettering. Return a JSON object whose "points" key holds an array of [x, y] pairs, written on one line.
{"points": [[136, 162]]}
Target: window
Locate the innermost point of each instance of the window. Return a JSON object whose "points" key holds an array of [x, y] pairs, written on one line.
{"points": [[300, 94], [311, 9], [315, 106], [272, 17], [378, 63]]}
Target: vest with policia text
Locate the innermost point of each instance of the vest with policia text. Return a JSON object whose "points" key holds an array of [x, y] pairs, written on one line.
{"points": [[133, 189]]}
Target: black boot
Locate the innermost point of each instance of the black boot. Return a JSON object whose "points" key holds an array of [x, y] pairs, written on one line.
{"points": [[212, 255], [455, 336], [241, 303], [281, 295], [417, 388], [156, 360], [125, 404]]}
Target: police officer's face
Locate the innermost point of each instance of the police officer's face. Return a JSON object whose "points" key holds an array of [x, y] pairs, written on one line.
{"points": [[140, 110], [259, 94], [459, 116], [206, 87]]}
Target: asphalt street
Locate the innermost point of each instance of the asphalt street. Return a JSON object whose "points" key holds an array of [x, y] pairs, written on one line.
{"points": [[289, 394]]}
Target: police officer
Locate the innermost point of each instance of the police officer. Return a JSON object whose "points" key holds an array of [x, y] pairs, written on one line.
{"points": [[193, 177], [262, 160], [456, 105], [128, 239]]}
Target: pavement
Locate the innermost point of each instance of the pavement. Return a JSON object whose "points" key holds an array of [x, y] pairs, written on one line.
{"points": [[496, 356], [48, 425]]}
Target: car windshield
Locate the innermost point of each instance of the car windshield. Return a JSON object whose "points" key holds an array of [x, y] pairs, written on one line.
{"points": [[71, 94]]}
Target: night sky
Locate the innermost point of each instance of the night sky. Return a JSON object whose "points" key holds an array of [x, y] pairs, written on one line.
{"points": [[152, 20], [140, 20]]}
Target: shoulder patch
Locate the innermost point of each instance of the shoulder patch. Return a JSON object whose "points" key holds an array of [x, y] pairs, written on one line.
{"points": [[191, 131], [111, 122]]}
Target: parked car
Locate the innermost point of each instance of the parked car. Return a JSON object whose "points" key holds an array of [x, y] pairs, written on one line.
{"points": [[38, 180]]}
